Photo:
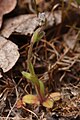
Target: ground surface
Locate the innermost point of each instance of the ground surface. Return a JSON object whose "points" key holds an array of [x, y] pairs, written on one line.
{"points": [[56, 59]]}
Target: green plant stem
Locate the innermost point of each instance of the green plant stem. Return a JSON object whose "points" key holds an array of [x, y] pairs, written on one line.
{"points": [[41, 98], [30, 54], [37, 85]]}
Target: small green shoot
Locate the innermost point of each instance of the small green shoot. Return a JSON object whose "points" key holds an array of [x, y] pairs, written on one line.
{"points": [[38, 35], [40, 98]]}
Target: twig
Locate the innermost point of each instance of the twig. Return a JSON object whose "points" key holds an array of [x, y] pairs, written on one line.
{"points": [[13, 105]]}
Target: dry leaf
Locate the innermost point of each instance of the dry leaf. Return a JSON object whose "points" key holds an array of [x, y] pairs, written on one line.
{"points": [[70, 38], [55, 96], [39, 1], [8, 54], [77, 46], [58, 16], [24, 24], [19, 104], [6, 6], [30, 99]]}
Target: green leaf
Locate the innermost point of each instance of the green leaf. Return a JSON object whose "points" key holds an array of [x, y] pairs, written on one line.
{"points": [[48, 103], [42, 91], [31, 69], [37, 36], [30, 99], [40, 35], [32, 78], [28, 76], [51, 99]]}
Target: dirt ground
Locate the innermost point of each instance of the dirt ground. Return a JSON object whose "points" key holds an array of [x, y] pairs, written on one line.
{"points": [[55, 58]]}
